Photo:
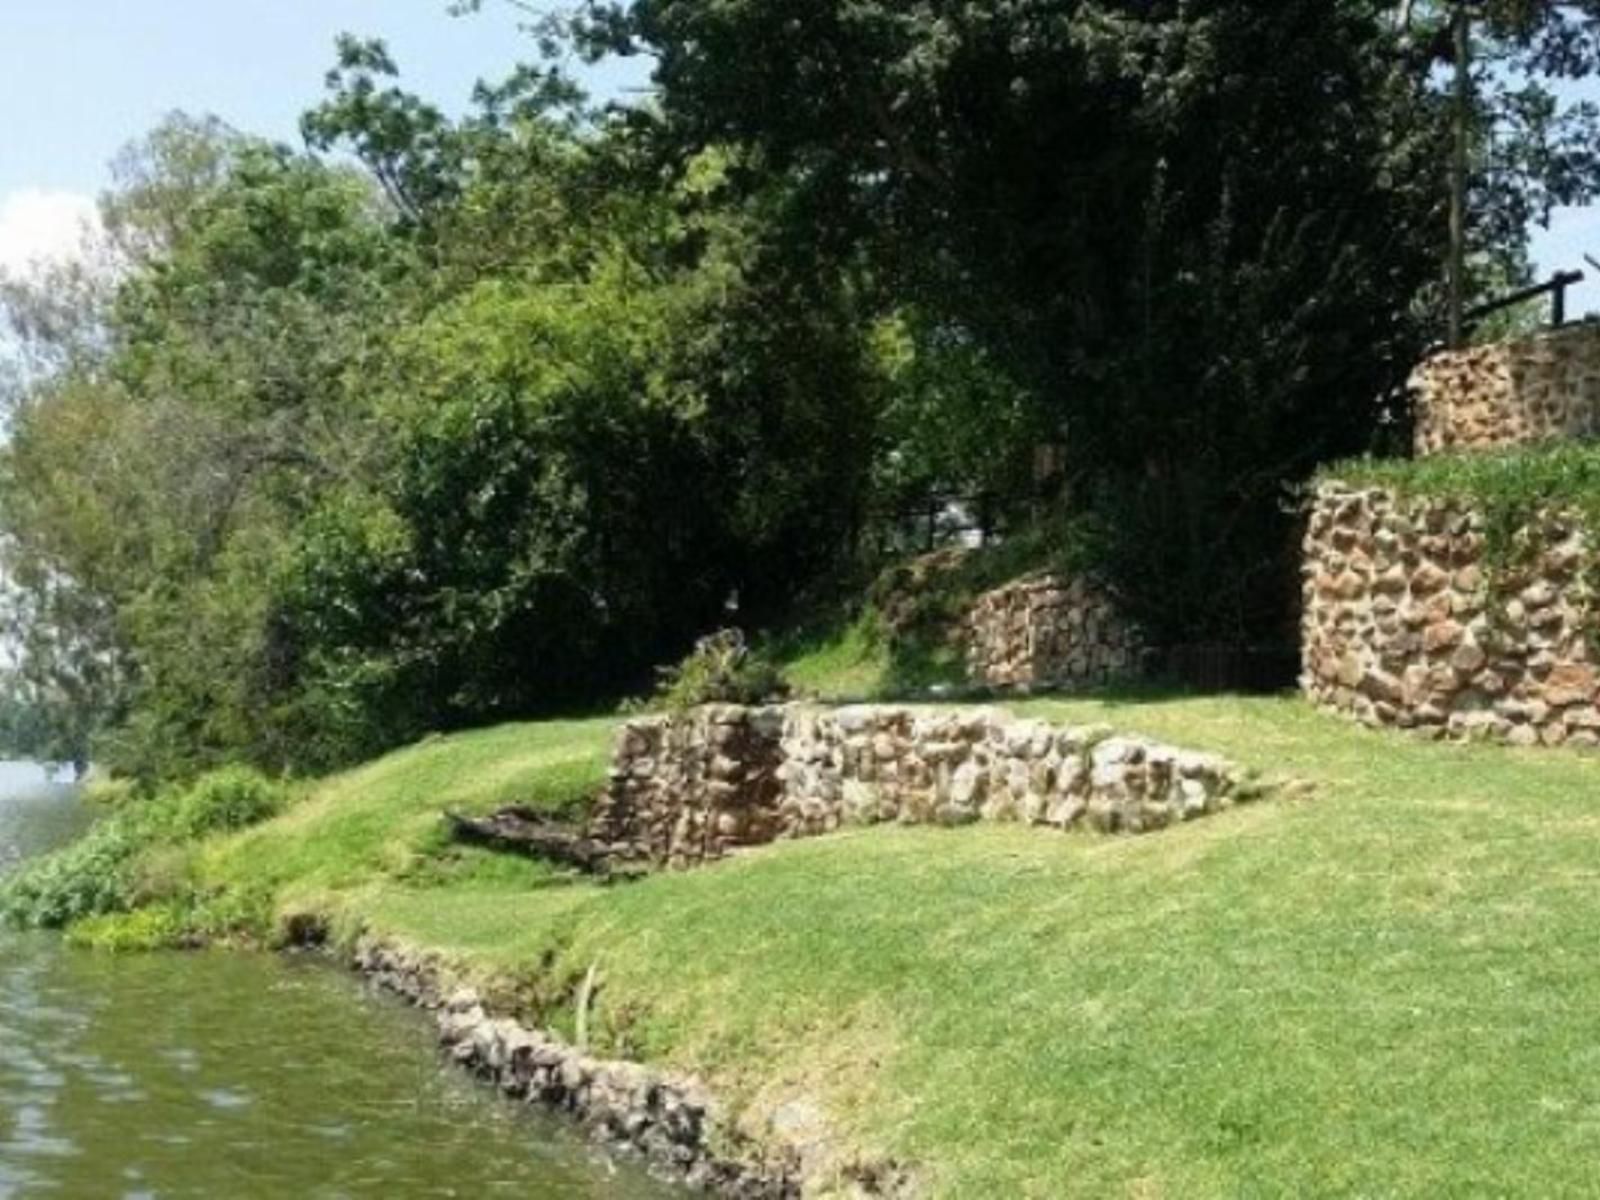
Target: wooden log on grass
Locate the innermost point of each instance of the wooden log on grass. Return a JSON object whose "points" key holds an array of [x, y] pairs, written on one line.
{"points": [[523, 831]]}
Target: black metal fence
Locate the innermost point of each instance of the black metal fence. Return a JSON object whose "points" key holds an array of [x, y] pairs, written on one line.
{"points": [[933, 521], [1555, 287]]}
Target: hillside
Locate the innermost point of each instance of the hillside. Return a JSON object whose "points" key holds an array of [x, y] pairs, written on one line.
{"points": [[1381, 990]]}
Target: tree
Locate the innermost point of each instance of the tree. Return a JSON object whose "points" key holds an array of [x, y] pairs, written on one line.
{"points": [[1201, 299], [1518, 149], [588, 459], [345, 460], [153, 475], [515, 405]]}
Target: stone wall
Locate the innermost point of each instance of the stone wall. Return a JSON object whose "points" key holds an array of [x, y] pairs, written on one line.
{"points": [[1043, 630], [1407, 624], [692, 787], [1511, 393], [688, 788]]}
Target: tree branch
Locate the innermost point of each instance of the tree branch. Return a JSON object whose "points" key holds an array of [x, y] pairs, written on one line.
{"points": [[902, 152]]}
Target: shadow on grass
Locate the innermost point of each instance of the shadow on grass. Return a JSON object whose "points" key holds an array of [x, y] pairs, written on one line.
{"points": [[1127, 693]]}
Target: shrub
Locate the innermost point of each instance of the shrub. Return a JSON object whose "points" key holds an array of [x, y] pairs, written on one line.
{"points": [[722, 669], [228, 799], [87, 878], [160, 927], [136, 854], [105, 792]]}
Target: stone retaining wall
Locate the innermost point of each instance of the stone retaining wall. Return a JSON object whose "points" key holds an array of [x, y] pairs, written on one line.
{"points": [[685, 789], [1511, 393], [692, 787], [1407, 624], [1044, 630]]}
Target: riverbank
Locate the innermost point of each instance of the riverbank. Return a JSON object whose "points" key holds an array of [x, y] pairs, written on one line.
{"points": [[1380, 990], [673, 1122]]}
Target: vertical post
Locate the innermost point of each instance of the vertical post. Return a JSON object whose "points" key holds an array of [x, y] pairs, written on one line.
{"points": [[1462, 22], [1558, 303]]}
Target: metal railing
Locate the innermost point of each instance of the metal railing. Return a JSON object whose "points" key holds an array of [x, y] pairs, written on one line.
{"points": [[1555, 287]]}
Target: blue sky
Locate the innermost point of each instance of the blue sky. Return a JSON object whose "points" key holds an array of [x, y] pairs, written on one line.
{"points": [[1573, 233], [80, 78]]}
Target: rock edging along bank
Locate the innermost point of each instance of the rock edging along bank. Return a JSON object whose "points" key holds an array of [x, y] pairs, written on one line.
{"points": [[1409, 622], [689, 787], [674, 1122]]}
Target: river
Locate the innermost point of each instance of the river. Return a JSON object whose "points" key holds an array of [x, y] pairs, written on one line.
{"points": [[236, 1076]]}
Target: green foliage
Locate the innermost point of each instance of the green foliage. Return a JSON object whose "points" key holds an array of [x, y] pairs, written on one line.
{"points": [[40, 727], [531, 541], [108, 792], [1101, 236], [454, 419], [152, 481], [1516, 483], [334, 473], [226, 800], [179, 919], [957, 420], [722, 669], [137, 854], [158, 927], [91, 877], [903, 639]]}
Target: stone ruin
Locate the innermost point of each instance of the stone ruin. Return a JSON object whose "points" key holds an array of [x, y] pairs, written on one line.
{"points": [[1401, 627], [1406, 621], [1512, 393], [1048, 631], [691, 787]]}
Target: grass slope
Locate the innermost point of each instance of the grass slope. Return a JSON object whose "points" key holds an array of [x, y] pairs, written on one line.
{"points": [[381, 823], [1388, 990], [896, 640]]}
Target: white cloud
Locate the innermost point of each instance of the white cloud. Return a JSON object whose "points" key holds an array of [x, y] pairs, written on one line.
{"points": [[39, 227]]}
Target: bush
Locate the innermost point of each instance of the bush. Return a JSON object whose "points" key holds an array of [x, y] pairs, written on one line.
{"points": [[136, 854], [109, 793], [160, 927], [722, 669], [87, 878], [183, 920], [228, 799]]}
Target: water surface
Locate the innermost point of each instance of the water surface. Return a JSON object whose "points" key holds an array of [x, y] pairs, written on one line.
{"points": [[239, 1076]]}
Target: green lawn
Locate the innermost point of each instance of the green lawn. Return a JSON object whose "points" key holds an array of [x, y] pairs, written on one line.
{"points": [[1390, 989], [381, 824]]}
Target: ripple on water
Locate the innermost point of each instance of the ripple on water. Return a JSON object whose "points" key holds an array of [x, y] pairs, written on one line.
{"points": [[170, 1077]]}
